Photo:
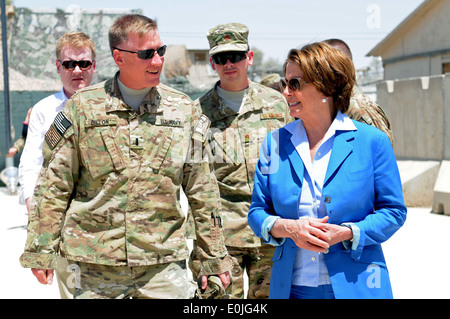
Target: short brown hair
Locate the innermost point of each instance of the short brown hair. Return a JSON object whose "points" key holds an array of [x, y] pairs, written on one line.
{"points": [[328, 69], [130, 23], [76, 40], [340, 45]]}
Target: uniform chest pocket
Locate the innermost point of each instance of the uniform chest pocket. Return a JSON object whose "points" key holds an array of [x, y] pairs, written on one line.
{"points": [[101, 154], [252, 144], [272, 123], [227, 147], [158, 145]]}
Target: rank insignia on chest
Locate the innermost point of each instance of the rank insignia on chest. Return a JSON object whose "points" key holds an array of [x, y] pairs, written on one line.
{"points": [[57, 130], [271, 115]]}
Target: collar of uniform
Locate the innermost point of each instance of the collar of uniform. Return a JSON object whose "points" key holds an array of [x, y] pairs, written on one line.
{"points": [[253, 101], [115, 100], [220, 110], [152, 101], [116, 103]]}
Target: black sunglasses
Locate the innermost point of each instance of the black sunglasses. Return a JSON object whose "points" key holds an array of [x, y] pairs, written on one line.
{"points": [[146, 54], [294, 84], [70, 65], [233, 56]]}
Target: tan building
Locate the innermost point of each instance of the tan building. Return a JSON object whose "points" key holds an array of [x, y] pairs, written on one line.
{"points": [[420, 45], [201, 74], [415, 94]]}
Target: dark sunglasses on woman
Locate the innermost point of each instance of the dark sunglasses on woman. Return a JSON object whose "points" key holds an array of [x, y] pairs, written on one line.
{"points": [[294, 84]]}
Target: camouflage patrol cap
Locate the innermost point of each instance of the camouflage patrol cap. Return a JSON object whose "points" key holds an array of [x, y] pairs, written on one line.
{"points": [[271, 79], [228, 37]]}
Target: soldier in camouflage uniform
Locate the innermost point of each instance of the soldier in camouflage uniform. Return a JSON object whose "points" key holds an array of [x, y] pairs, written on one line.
{"points": [[272, 80], [108, 194], [242, 113], [365, 110], [362, 108], [19, 144]]}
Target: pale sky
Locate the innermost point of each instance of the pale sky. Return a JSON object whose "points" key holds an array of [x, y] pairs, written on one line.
{"points": [[275, 26]]}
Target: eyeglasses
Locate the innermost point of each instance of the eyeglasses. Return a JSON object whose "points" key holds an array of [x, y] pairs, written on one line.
{"points": [[146, 54], [70, 65], [294, 84], [233, 56]]}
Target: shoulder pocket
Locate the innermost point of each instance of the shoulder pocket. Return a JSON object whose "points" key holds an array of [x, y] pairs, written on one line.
{"points": [[60, 128], [159, 147]]}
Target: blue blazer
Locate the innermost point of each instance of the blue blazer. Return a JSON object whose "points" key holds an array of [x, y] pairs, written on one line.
{"points": [[362, 186]]}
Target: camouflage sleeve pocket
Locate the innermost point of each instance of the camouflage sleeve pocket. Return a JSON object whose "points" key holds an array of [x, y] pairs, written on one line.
{"points": [[57, 130], [60, 130]]}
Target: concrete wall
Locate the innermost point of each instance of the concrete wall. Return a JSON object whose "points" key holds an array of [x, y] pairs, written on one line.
{"points": [[33, 34], [419, 111], [431, 64]]}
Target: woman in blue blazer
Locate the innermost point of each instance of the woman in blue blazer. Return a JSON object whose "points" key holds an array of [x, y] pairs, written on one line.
{"points": [[327, 189]]}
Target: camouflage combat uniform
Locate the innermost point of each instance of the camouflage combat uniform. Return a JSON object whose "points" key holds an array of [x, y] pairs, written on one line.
{"points": [[234, 141], [364, 110], [109, 189]]}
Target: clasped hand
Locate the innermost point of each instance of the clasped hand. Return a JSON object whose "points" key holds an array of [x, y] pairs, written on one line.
{"points": [[314, 234]]}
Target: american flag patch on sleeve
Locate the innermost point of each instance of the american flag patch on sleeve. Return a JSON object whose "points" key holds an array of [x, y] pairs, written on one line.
{"points": [[57, 130]]}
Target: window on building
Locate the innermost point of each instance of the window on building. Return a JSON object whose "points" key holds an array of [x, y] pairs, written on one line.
{"points": [[446, 67], [200, 57]]}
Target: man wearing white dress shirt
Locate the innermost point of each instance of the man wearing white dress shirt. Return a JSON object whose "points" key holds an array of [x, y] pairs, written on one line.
{"points": [[75, 63]]}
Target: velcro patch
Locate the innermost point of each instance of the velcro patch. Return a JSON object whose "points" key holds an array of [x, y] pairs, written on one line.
{"points": [[61, 123], [266, 116], [52, 137], [57, 130], [201, 128], [168, 122], [100, 121]]}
